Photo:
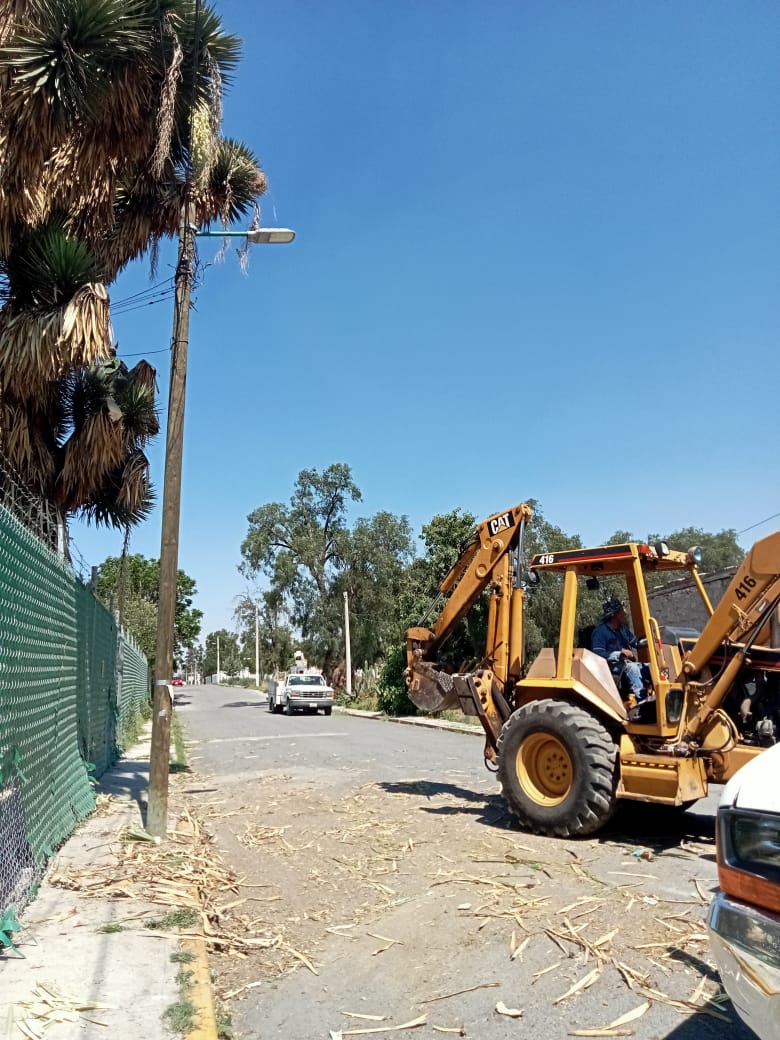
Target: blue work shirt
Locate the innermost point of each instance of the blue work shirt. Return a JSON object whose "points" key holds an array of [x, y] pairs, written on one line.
{"points": [[608, 642]]}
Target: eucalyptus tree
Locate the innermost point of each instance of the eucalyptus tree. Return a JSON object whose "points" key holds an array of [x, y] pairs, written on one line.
{"points": [[312, 555], [221, 648], [110, 116], [263, 617]]}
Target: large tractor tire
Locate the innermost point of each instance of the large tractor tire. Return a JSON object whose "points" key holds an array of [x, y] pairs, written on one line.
{"points": [[558, 767]]}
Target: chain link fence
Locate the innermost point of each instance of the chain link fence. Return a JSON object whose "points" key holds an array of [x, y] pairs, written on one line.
{"points": [[35, 513], [72, 688]]}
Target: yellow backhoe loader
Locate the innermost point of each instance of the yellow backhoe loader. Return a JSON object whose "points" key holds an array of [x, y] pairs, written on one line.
{"points": [[566, 743]]}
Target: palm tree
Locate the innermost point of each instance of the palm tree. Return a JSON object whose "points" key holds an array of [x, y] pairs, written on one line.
{"points": [[110, 117]]}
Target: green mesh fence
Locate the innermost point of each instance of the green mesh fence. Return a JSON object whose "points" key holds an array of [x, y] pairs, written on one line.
{"points": [[133, 690], [70, 687]]}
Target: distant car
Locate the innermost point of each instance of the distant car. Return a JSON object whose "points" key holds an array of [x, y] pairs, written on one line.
{"points": [[744, 919], [177, 682]]}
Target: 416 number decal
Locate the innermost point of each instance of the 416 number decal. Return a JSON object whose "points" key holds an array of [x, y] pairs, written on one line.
{"points": [[745, 586]]}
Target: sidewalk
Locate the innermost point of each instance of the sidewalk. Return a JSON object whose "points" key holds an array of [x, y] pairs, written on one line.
{"points": [[66, 948]]}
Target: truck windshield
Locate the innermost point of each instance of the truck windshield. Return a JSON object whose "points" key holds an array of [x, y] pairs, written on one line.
{"points": [[305, 680]]}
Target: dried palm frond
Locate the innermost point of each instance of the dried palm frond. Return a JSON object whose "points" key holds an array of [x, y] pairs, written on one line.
{"points": [[204, 147], [25, 447], [87, 335], [80, 179], [145, 211], [30, 356], [136, 490], [89, 455], [144, 374], [215, 104], [208, 47], [166, 114], [126, 498], [37, 347]]}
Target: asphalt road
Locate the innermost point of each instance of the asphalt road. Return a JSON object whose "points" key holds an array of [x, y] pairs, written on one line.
{"points": [[384, 881]]}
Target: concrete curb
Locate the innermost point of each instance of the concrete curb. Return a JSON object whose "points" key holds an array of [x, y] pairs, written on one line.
{"points": [[201, 993], [402, 720], [412, 720]]}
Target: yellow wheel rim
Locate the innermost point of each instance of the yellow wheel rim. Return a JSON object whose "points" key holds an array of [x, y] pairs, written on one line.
{"points": [[544, 769]]}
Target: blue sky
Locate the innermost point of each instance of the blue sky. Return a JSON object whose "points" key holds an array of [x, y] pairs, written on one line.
{"points": [[537, 255]]}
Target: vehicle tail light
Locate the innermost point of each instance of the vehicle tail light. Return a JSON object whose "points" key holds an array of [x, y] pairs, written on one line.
{"points": [[749, 856]]}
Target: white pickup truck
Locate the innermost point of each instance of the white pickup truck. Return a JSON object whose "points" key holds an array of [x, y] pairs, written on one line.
{"points": [[299, 692], [744, 919]]}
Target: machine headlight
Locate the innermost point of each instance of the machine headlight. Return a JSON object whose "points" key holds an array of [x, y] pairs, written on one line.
{"points": [[749, 856], [755, 841], [661, 548], [695, 555]]}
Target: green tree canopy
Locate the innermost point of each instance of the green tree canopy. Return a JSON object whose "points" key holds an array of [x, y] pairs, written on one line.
{"points": [[444, 539], [377, 553], [312, 556], [275, 637], [719, 549], [131, 585], [229, 653]]}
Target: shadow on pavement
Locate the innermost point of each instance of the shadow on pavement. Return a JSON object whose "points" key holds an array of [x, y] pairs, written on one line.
{"points": [[705, 1027], [489, 809], [244, 704], [660, 828], [127, 779], [698, 965], [654, 827]]}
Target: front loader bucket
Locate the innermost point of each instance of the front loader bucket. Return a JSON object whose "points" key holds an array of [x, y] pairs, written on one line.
{"points": [[429, 688]]}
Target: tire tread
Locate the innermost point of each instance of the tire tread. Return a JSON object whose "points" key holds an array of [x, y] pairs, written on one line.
{"points": [[595, 800]]}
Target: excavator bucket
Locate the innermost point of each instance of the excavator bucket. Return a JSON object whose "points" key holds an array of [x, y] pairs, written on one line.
{"points": [[429, 688]]}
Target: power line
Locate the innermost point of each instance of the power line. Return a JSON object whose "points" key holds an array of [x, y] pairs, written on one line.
{"points": [[144, 353], [759, 523], [144, 292], [125, 306]]}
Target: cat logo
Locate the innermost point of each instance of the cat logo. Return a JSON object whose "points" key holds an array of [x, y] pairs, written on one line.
{"points": [[504, 522]]}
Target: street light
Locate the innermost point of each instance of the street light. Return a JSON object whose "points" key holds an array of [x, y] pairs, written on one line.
{"points": [[259, 236], [159, 756]]}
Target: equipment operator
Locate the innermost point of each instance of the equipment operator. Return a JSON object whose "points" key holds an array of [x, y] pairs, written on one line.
{"points": [[615, 642]]}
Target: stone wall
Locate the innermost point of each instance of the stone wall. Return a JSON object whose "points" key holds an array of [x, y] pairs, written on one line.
{"points": [[679, 603]]}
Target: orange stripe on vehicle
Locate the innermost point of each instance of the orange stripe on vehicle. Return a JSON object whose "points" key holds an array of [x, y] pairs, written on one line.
{"points": [[749, 889]]}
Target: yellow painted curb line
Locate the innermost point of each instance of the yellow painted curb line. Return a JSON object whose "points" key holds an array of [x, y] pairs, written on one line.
{"points": [[200, 992]]}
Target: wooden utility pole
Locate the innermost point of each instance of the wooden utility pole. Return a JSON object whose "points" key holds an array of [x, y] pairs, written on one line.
{"points": [[257, 648], [348, 662], [159, 761]]}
